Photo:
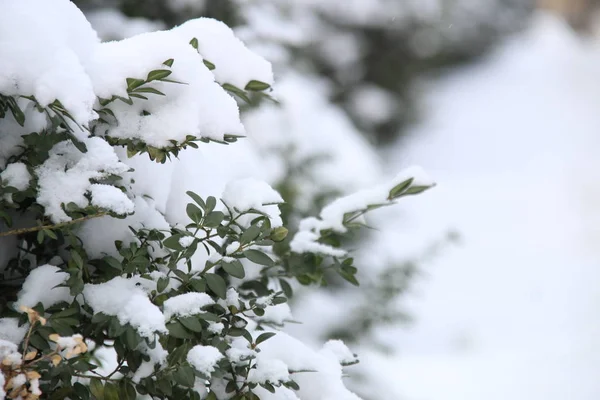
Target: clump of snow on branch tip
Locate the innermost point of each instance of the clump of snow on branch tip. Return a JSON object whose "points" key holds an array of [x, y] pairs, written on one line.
{"points": [[110, 198], [66, 176], [276, 314], [204, 358], [187, 304], [334, 216], [97, 242], [11, 331], [340, 351], [269, 370], [246, 194], [59, 42], [234, 63], [40, 287], [324, 383], [196, 106], [127, 299], [15, 175]]}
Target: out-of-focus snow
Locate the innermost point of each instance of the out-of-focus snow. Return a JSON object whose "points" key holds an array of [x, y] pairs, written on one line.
{"points": [[513, 312]]}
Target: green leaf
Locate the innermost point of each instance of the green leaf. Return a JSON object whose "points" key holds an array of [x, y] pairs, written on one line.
{"points": [[184, 376], [139, 96], [209, 65], [169, 62], [115, 328], [97, 389], [211, 396], [216, 284], [214, 219], [176, 329], [250, 234], [235, 269], [40, 236], [198, 284], [237, 91], [172, 242], [207, 316], [82, 391], [192, 323], [349, 277], [158, 74], [259, 257], [77, 258], [257, 86], [415, 190], [197, 199], [264, 336], [133, 83], [50, 234], [194, 212], [211, 203], [162, 284], [399, 188], [149, 90], [131, 338], [194, 43], [286, 287], [111, 392], [127, 390]]}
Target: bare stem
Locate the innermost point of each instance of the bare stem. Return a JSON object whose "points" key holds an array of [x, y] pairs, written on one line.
{"points": [[54, 226]]}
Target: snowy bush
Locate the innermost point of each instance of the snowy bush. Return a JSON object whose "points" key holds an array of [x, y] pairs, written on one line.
{"points": [[118, 281]]}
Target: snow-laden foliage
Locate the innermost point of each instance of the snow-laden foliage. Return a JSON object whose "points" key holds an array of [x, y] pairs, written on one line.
{"points": [[106, 250]]}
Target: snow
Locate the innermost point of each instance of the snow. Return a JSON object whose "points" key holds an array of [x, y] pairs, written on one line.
{"points": [[40, 287], [110, 198], [69, 342], [512, 312], [127, 300], [111, 24], [204, 358], [311, 139], [186, 241], [7, 348], [232, 248], [18, 380], [59, 41], [16, 175], [239, 351], [215, 327], [333, 215], [307, 242], [234, 63], [11, 331], [232, 297], [373, 104], [324, 379], [197, 106], [71, 171], [185, 305], [340, 351], [97, 242], [245, 194], [277, 314], [272, 371]]}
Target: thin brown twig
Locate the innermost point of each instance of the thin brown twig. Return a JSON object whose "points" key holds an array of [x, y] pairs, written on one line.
{"points": [[54, 226]]}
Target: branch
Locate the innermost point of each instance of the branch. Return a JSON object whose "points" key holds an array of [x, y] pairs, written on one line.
{"points": [[55, 226]]}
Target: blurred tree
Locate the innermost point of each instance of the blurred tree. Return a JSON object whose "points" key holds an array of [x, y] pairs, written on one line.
{"points": [[370, 51]]}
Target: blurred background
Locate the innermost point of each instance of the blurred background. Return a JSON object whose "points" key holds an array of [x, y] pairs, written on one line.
{"points": [[487, 286]]}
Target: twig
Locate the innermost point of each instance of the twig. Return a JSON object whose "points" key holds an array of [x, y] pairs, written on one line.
{"points": [[55, 226]]}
